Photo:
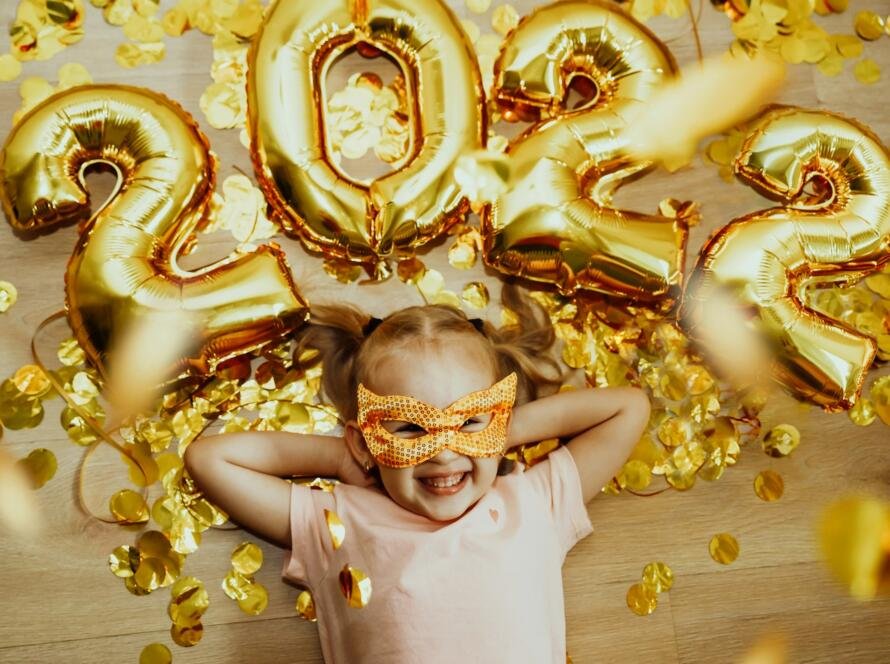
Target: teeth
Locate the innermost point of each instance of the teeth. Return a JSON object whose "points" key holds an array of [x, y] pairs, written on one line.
{"points": [[444, 481]]}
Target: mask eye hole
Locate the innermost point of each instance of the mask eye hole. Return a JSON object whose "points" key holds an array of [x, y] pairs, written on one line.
{"points": [[477, 422], [402, 429]]}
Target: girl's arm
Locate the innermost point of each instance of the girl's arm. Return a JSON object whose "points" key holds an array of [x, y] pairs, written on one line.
{"points": [[610, 421], [241, 473]]}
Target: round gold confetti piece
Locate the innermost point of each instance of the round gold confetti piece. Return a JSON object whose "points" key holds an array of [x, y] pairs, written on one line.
{"points": [[31, 380], [123, 561], [41, 466], [781, 440], [769, 485], [504, 18], [10, 69], [155, 653], [335, 528], [724, 548], [70, 353], [867, 71], [636, 475], [256, 599], [641, 599], [658, 577], [478, 6], [8, 292], [186, 636], [127, 506], [306, 606], [475, 294], [868, 25], [235, 584], [72, 74], [247, 558], [355, 586]]}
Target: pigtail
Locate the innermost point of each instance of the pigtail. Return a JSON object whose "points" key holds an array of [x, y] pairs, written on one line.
{"points": [[525, 346], [336, 331]]}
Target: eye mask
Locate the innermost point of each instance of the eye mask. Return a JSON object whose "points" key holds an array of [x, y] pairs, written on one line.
{"points": [[443, 426]]}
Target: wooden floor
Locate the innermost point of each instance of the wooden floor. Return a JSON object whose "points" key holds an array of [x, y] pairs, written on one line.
{"points": [[60, 603]]}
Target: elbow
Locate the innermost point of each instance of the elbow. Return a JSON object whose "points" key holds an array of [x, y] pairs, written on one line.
{"points": [[640, 406], [192, 456]]}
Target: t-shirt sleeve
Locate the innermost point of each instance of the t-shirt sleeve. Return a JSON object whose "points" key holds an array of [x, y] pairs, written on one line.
{"points": [[557, 480], [307, 559]]}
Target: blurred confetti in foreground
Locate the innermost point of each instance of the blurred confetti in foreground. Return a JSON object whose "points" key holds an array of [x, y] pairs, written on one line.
{"points": [[18, 506], [731, 89], [854, 532], [769, 649]]}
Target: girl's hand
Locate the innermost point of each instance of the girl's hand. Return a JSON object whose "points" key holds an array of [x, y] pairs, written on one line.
{"points": [[350, 471]]}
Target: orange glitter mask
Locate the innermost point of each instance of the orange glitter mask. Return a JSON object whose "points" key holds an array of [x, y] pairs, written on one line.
{"points": [[442, 426]]}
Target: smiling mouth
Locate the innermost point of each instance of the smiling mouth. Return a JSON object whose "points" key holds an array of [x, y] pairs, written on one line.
{"points": [[445, 485]]}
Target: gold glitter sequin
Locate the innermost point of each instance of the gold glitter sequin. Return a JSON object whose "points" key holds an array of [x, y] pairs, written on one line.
{"points": [[335, 528], [641, 599], [724, 548], [155, 653], [128, 507], [355, 586], [658, 577], [40, 466], [305, 606], [781, 440], [853, 533], [475, 295], [769, 485], [442, 426]]}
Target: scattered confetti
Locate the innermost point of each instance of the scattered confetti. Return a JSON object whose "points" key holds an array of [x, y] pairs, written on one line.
{"points": [[128, 507], [867, 71], [769, 485], [853, 533], [641, 599], [482, 176], [868, 25], [247, 558], [336, 528], [306, 606], [8, 296], [504, 18], [781, 440], [355, 586], [155, 653], [478, 6], [40, 466], [724, 548], [475, 295], [658, 577]]}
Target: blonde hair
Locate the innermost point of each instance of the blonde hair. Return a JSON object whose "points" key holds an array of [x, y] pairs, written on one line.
{"points": [[349, 356]]}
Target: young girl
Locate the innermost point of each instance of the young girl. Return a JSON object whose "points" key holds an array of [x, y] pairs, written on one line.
{"points": [[449, 552]]}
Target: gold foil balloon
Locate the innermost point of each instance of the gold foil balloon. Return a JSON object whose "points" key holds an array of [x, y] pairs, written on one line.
{"points": [[363, 222], [124, 264], [557, 223], [832, 179]]}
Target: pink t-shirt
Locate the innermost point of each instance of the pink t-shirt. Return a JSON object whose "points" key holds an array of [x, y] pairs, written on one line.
{"points": [[484, 588]]}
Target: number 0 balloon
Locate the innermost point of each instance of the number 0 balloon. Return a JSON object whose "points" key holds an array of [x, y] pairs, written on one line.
{"points": [[314, 199], [124, 264]]}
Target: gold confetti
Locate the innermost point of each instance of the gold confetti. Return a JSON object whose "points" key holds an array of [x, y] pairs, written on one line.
{"points": [[306, 606], [867, 71], [8, 296], [130, 55], [853, 532], [128, 507], [482, 176], [175, 22], [255, 600], [155, 653], [335, 528], [781, 440], [475, 294], [868, 25], [478, 6], [863, 412], [658, 577], [641, 599], [40, 465], [355, 586], [10, 69], [189, 601], [504, 18], [880, 397], [247, 558], [635, 475], [724, 548], [31, 380], [769, 485], [186, 636], [467, 245]]}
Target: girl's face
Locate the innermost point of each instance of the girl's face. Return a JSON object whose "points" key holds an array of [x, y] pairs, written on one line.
{"points": [[437, 375]]}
